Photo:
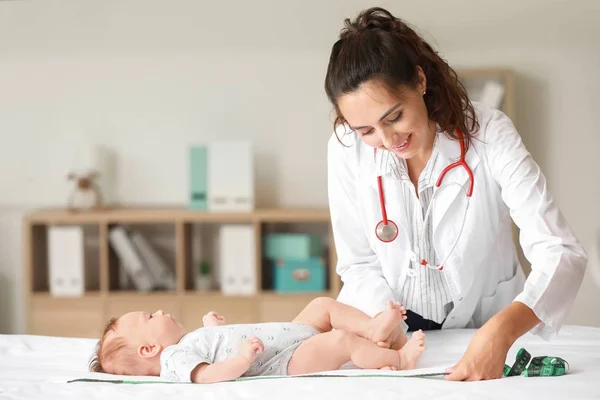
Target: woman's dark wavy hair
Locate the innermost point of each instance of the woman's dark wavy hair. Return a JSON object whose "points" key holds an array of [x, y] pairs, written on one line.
{"points": [[379, 46]]}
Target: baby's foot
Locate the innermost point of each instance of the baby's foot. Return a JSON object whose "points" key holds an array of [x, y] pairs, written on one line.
{"points": [[410, 353], [384, 327], [396, 338]]}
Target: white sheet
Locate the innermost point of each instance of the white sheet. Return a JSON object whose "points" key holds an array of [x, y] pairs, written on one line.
{"points": [[35, 367]]}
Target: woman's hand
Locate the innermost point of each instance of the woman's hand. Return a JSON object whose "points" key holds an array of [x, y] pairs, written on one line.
{"points": [[486, 355], [484, 359]]}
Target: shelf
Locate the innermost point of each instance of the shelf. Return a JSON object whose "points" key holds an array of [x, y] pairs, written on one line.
{"points": [[42, 295], [140, 294], [172, 215], [191, 294], [299, 295], [468, 72], [132, 215], [292, 215]]}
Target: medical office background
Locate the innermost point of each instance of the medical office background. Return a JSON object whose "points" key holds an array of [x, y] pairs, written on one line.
{"points": [[150, 78]]}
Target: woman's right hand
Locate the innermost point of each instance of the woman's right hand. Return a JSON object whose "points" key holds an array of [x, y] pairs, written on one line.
{"points": [[251, 348]]}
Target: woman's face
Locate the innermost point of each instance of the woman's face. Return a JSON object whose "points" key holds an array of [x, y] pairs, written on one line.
{"points": [[398, 123]]}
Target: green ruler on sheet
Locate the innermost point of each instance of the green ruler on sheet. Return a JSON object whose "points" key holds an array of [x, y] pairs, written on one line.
{"points": [[256, 378]]}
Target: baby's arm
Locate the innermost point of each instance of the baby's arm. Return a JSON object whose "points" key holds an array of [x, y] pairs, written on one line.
{"points": [[230, 369], [213, 319]]}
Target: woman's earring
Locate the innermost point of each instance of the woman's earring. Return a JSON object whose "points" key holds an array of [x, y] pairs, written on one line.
{"points": [[424, 92]]}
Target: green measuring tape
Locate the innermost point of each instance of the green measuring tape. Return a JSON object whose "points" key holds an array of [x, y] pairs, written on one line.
{"points": [[539, 366]]}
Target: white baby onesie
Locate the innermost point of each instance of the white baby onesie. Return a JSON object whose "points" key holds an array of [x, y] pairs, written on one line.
{"points": [[219, 343]]}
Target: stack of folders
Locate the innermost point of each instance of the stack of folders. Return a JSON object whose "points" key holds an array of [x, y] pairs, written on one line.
{"points": [[141, 263]]}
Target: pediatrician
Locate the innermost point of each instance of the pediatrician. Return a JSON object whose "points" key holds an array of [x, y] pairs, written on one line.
{"points": [[423, 184]]}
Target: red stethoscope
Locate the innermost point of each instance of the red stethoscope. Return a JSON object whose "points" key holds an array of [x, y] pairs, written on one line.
{"points": [[387, 230]]}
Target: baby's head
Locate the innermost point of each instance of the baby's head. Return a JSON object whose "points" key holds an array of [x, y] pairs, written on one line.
{"points": [[132, 344]]}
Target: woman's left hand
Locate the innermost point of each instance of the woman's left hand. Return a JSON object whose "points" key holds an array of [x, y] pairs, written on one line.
{"points": [[484, 359], [486, 355]]}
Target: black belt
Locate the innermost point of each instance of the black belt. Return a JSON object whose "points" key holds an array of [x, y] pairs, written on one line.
{"points": [[416, 322]]}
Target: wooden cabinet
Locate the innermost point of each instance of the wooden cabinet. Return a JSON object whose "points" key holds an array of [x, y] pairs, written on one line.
{"points": [[86, 316]]}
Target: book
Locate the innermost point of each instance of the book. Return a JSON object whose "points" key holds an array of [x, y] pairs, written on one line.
{"points": [[131, 260], [162, 275]]}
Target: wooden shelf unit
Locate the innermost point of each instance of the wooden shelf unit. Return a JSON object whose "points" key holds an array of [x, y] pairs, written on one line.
{"points": [[86, 316]]}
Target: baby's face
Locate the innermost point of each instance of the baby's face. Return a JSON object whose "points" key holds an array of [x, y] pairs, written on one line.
{"points": [[140, 328]]}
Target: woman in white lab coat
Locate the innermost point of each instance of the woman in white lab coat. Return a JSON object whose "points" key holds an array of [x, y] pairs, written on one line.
{"points": [[400, 114]]}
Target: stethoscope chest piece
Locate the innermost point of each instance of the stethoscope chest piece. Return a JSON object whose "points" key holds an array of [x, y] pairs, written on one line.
{"points": [[386, 232]]}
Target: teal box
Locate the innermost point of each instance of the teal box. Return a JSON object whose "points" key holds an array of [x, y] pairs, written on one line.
{"points": [[292, 246], [292, 276], [198, 178]]}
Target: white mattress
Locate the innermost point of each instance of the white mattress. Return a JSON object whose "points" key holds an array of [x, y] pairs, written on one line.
{"points": [[33, 367]]}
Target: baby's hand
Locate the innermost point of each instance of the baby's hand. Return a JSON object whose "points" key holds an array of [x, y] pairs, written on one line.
{"points": [[251, 348], [213, 319]]}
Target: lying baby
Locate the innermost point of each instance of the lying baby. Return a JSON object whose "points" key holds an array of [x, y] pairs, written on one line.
{"points": [[323, 337]]}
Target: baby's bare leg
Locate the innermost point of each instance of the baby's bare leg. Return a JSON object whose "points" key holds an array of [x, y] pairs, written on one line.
{"points": [[325, 314], [329, 351]]}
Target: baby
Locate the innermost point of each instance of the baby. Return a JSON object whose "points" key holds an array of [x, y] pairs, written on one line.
{"points": [[323, 337]]}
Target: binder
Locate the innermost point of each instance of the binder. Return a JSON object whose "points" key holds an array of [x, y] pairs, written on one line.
{"points": [[198, 196], [230, 176], [66, 261], [237, 255]]}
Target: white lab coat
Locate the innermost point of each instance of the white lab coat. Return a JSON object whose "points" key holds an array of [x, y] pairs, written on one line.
{"points": [[484, 273]]}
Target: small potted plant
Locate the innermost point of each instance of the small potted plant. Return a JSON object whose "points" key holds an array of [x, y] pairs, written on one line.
{"points": [[204, 277]]}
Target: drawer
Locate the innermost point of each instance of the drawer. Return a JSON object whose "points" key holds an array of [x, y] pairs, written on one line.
{"points": [[67, 317], [236, 310], [118, 304], [284, 308]]}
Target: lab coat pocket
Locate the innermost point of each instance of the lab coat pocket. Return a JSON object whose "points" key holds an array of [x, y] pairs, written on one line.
{"points": [[505, 293]]}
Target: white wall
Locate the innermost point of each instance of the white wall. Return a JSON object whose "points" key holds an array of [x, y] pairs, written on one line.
{"points": [[147, 78]]}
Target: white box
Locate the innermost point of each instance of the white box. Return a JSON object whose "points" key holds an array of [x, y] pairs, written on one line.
{"points": [[66, 269], [230, 176], [237, 256], [492, 94]]}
